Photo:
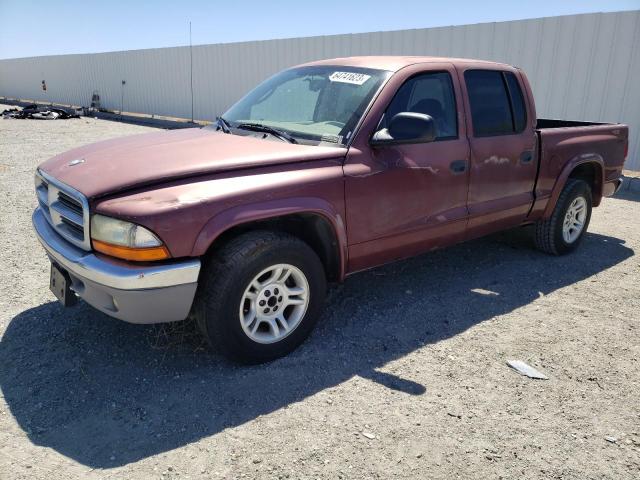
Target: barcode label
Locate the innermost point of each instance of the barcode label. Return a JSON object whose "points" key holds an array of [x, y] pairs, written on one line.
{"points": [[349, 77]]}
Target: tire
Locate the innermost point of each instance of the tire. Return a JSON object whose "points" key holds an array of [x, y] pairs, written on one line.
{"points": [[550, 234], [227, 296]]}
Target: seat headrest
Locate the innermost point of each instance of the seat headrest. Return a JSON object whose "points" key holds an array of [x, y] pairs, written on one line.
{"points": [[428, 106]]}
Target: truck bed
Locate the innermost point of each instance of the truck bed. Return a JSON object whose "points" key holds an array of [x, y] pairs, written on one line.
{"points": [[562, 144], [545, 123]]}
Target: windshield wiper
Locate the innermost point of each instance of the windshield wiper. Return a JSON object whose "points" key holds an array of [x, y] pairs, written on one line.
{"points": [[224, 125], [258, 127]]}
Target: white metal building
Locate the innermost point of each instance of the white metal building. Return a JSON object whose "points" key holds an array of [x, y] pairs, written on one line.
{"points": [[581, 67]]}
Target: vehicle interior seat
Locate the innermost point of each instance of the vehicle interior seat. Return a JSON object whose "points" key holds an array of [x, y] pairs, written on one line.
{"points": [[433, 108]]}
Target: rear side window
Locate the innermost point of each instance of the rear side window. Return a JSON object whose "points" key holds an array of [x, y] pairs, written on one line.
{"points": [[517, 102], [431, 94], [496, 101]]}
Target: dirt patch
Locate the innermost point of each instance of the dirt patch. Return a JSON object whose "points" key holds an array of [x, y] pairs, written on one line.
{"points": [[405, 376]]}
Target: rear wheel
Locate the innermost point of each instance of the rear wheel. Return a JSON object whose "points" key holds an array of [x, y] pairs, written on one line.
{"points": [[563, 231], [260, 296]]}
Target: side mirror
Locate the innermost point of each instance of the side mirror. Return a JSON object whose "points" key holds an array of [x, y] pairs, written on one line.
{"points": [[406, 127]]}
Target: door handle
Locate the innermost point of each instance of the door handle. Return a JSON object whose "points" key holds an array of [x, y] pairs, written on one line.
{"points": [[458, 166], [526, 157]]}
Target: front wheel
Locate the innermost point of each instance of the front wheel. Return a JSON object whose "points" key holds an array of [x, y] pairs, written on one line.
{"points": [[260, 296], [563, 231]]}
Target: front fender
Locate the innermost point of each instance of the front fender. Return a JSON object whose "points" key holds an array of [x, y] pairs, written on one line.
{"points": [[265, 210]]}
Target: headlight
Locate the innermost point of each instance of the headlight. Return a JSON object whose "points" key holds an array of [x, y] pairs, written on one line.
{"points": [[126, 240]]}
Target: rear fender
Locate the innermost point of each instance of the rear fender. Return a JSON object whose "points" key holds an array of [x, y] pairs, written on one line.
{"points": [[571, 165]]}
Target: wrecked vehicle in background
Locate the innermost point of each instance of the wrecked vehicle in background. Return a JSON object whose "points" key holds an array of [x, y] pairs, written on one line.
{"points": [[323, 170], [40, 112]]}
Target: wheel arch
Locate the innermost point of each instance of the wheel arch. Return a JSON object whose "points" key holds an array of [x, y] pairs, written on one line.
{"points": [[587, 167], [312, 220]]}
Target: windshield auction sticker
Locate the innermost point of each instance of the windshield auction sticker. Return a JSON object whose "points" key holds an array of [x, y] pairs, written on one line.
{"points": [[349, 77]]}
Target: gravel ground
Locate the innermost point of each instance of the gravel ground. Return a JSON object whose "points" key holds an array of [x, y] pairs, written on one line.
{"points": [[405, 376]]}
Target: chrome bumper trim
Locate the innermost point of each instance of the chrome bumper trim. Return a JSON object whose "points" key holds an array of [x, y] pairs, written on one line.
{"points": [[108, 272]]}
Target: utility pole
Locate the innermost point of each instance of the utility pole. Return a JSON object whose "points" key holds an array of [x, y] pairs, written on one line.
{"points": [[191, 65], [122, 98]]}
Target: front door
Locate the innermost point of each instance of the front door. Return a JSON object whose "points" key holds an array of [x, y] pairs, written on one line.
{"points": [[405, 199]]}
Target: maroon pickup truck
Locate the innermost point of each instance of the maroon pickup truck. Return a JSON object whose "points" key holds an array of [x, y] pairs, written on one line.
{"points": [[323, 170]]}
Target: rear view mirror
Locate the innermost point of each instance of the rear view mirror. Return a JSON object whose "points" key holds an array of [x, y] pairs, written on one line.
{"points": [[406, 127]]}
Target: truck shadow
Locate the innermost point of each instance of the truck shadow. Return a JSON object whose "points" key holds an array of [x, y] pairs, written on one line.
{"points": [[98, 391]]}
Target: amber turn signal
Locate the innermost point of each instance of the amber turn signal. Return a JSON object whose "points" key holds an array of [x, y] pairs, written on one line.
{"points": [[146, 254]]}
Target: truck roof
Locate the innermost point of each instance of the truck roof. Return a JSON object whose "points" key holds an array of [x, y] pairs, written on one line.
{"points": [[395, 63]]}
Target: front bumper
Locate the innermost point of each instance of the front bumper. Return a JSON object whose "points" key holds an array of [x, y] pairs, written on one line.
{"points": [[145, 293]]}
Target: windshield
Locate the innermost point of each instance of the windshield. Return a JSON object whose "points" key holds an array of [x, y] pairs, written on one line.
{"points": [[317, 104]]}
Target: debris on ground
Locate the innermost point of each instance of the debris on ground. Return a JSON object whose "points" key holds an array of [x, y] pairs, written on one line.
{"points": [[526, 370], [40, 112], [611, 439], [482, 291]]}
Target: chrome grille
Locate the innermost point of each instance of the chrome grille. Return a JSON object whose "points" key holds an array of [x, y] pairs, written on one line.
{"points": [[70, 203], [66, 209]]}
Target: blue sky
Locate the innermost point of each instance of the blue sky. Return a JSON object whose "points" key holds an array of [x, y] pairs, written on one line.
{"points": [[81, 26]]}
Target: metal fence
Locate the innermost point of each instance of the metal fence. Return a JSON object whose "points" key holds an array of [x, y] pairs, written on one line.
{"points": [[581, 67]]}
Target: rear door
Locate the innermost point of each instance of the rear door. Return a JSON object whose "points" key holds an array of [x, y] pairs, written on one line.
{"points": [[502, 138]]}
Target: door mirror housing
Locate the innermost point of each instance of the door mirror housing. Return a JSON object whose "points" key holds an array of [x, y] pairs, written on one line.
{"points": [[406, 127]]}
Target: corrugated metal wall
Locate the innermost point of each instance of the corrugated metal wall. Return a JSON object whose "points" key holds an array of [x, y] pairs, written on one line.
{"points": [[581, 67]]}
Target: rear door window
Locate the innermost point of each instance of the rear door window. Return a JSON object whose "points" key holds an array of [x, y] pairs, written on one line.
{"points": [[517, 102], [496, 101]]}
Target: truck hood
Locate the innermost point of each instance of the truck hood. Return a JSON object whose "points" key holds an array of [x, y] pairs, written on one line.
{"points": [[122, 163]]}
